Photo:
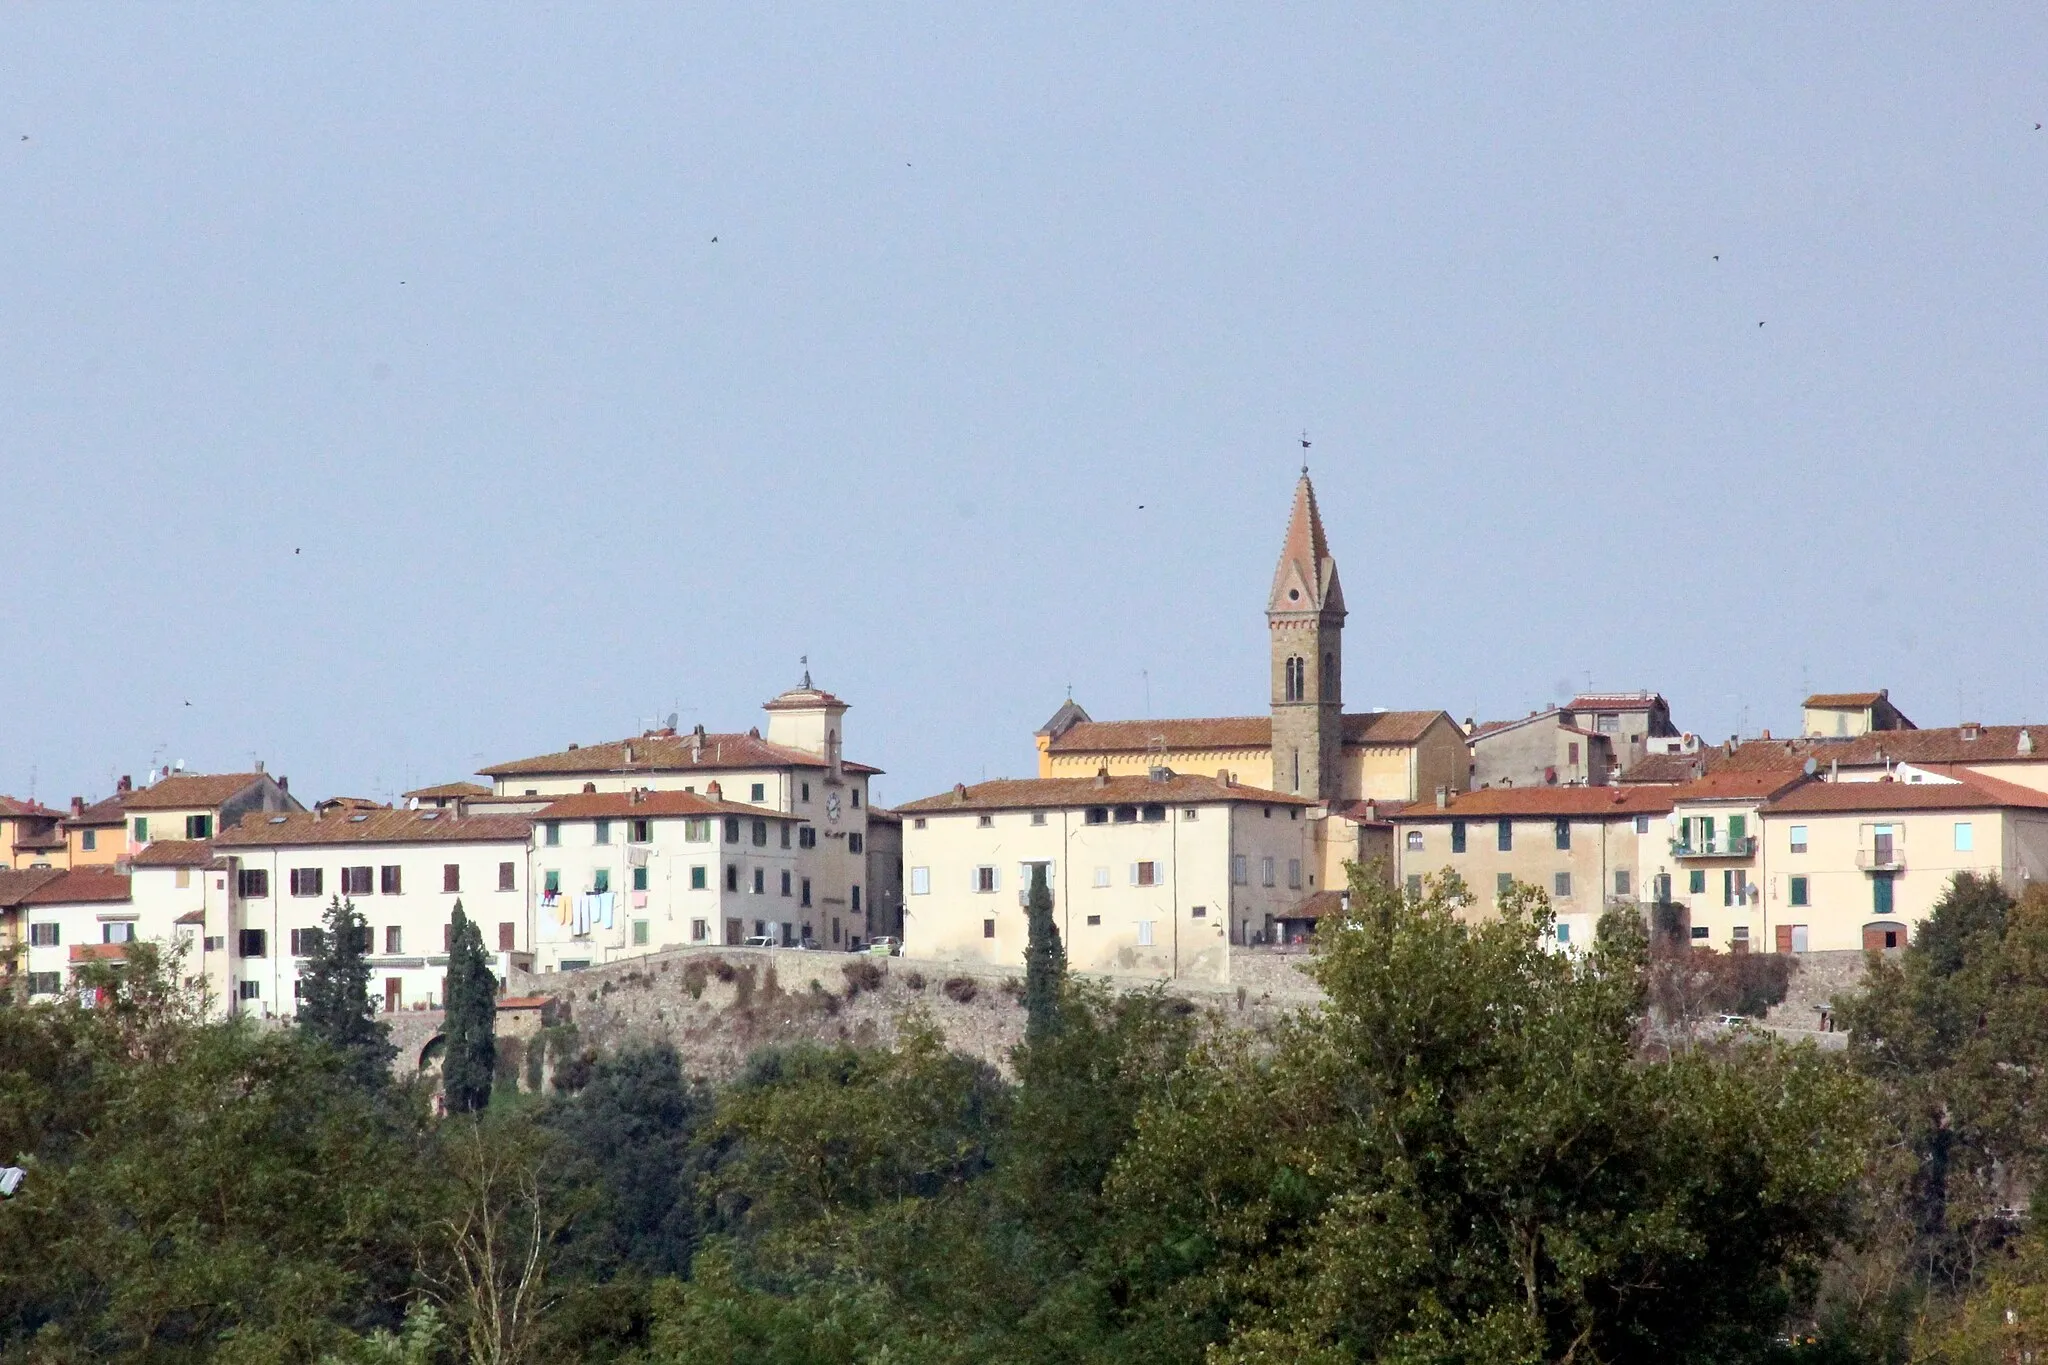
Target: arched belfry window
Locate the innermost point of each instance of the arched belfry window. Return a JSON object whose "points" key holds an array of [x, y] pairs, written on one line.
{"points": [[1297, 678]]}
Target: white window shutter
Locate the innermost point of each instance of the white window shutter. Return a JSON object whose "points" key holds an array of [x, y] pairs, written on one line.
{"points": [[1134, 874]]}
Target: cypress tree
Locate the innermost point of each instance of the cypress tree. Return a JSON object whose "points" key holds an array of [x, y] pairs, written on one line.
{"points": [[1045, 962], [469, 1029], [334, 995]]}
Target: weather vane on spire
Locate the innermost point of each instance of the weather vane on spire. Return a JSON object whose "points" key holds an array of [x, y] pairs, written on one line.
{"points": [[805, 660], [1304, 455]]}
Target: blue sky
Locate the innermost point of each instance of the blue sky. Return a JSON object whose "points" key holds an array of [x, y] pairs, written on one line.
{"points": [[372, 381]]}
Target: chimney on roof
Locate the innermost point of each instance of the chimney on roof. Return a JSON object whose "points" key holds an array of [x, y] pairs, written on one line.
{"points": [[1443, 796], [629, 753], [1102, 776], [1158, 772], [284, 784], [458, 808], [1970, 729], [589, 786], [316, 811], [959, 791], [1470, 725], [2025, 743], [1767, 734], [753, 732], [715, 792], [259, 765], [637, 795], [126, 784], [78, 805], [697, 745], [573, 746]]}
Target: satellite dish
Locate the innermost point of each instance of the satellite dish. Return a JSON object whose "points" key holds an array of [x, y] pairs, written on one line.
{"points": [[1812, 766], [672, 720]]}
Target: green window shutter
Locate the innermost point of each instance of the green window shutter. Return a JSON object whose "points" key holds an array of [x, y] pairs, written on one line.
{"points": [[1738, 825], [1697, 883], [639, 879], [1706, 829], [604, 881], [554, 883], [142, 829], [1881, 895]]}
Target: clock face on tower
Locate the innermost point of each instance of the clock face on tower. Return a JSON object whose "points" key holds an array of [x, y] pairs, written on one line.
{"points": [[831, 805]]}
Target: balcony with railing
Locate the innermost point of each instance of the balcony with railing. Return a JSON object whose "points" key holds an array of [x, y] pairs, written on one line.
{"points": [[1882, 858], [1719, 846]]}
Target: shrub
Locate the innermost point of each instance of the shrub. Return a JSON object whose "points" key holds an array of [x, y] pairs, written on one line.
{"points": [[1013, 988], [914, 980], [695, 976], [536, 1057], [861, 975], [505, 1062], [961, 989], [723, 970]]}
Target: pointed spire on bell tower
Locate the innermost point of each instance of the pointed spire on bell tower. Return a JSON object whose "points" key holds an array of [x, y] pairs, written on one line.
{"points": [[1306, 580], [1305, 616]]}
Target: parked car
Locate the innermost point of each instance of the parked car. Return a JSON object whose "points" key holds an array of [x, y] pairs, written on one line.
{"points": [[885, 945], [758, 941]]}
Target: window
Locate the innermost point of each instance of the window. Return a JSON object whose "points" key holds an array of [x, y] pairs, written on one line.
{"points": [[760, 834], [984, 879], [697, 877], [697, 831], [306, 881], [732, 829], [804, 892], [1741, 943], [1153, 814], [604, 831], [920, 881], [1126, 815], [807, 837], [855, 793], [356, 881], [1144, 874], [1144, 933], [732, 877], [250, 990], [1038, 817], [760, 793], [199, 827], [854, 891], [1642, 824], [1199, 912], [784, 829], [506, 877], [388, 879], [394, 940], [699, 931], [141, 829], [552, 833], [1414, 886], [1622, 882], [1095, 919], [1240, 870], [1697, 882], [1734, 886], [639, 933], [760, 881], [1415, 841], [305, 942], [1561, 886], [1564, 834], [45, 983], [1503, 883], [89, 839], [1457, 836], [251, 943], [641, 832], [1294, 874], [854, 843], [601, 881], [1966, 837], [640, 878], [1098, 815], [988, 928], [1504, 836], [786, 875], [1660, 886], [42, 936], [1798, 891], [1190, 814], [807, 791], [1798, 838], [918, 823], [508, 935], [1102, 876], [1265, 872], [551, 883]]}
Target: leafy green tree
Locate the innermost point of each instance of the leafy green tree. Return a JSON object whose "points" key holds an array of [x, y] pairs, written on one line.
{"points": [[1045, 962], [1462, 1158], [470, 1026], [334, 1005]]}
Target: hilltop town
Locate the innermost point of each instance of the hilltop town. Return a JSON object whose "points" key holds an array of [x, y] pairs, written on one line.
{"points": [[1173, 848]]}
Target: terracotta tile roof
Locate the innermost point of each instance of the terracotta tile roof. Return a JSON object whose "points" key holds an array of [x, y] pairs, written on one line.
{"points": [[192, 791], [1372, 811], [1315, 905], [1537, 802], [1993, 744], [1976, 793], [79, 886], [192, 917], [98, 952], [805, 698], [100, 814], [11, 806], [48, 839], [174, 853], [1045, 793], [1842, 699], [622, 806], [665, 752], [1232, 732], [465, 790], [276, 830], [1614, 701], [883, 815], [17, 884], [1738, 785], [350, 803], [525, 1002], [1664, 769]]}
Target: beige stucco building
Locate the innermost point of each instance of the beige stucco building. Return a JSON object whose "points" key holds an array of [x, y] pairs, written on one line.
{"points": [[1153, 875]]}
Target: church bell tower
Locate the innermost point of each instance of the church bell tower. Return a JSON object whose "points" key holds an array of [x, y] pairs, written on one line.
{"points": [[1305, 615]]}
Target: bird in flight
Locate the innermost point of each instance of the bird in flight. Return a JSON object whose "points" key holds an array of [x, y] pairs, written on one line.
{"points": [[1759, 324], [714, 239], [1717, 258], [295, 549]]}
